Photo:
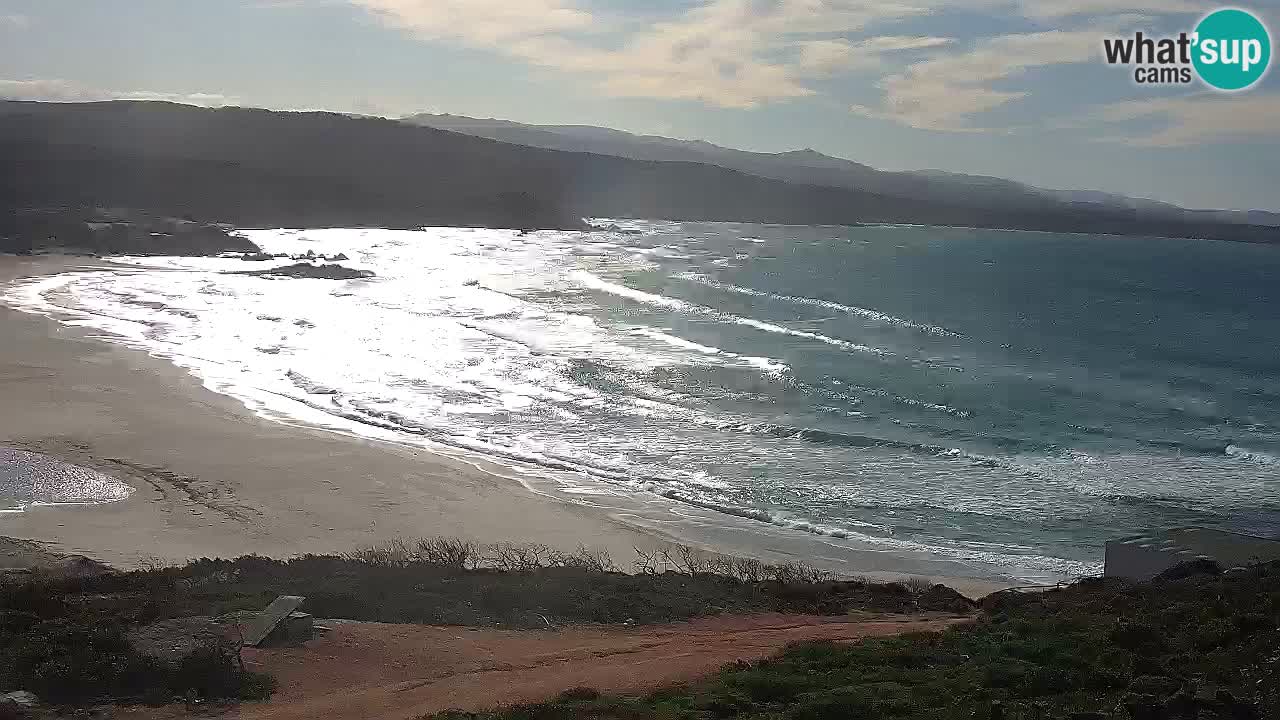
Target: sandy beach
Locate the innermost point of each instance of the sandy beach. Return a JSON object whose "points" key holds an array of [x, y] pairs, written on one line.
{"points": [[212, 479]]}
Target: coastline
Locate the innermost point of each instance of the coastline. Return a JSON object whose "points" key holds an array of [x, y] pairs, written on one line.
{"points": [[212, 478]]}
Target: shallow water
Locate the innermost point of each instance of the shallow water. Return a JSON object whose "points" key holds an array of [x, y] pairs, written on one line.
{"points": [[1007, 400], [28, 479]]}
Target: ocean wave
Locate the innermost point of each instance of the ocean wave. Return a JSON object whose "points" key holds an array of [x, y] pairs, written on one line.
{"points": [[680, 342], [844, 439], [769, 365], [827, 304], [1189, 447], [1255, 456], [307, 386], [595, 283], [987, 553]]}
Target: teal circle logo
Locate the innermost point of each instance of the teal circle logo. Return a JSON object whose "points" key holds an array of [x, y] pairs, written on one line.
{"points": [[1232, 49]]}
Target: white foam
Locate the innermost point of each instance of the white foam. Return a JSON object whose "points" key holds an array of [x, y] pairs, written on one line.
{"points": [[827, 304], [769, 365], [1255, 456], [591, 281]]}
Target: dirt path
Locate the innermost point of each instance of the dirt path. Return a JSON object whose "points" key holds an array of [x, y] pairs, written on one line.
{"points": [[369, 670]]}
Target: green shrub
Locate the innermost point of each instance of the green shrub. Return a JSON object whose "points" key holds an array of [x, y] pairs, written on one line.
{"points": [[212, 672], [76, 653], [575, 694]]}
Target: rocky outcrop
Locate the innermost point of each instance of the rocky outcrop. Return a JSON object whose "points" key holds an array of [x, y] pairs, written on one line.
{"points": [[114, 232], [307, 270]]}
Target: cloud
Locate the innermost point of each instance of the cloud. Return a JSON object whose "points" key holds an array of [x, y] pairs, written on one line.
{"points": [[63, 91], [1058, 9], [485, 23], [947, 91], [17, 22], [1191, 119], [831, 55], [743, 53], [731, 53]]}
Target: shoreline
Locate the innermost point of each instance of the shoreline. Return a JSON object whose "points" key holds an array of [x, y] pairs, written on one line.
{"points": [[213, 477]]}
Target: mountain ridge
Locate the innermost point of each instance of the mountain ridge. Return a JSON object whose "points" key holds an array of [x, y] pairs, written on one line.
{"points": [[256, 168], [979, 191]]}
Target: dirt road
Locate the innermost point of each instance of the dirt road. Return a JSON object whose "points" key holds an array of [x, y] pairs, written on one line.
{"points": [[369, 670]]}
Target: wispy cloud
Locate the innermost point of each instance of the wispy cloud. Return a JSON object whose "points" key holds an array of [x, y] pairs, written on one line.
{"points": [[1059, 9], [948, 91], [484, 23], [837, 54], [1189, 119]]}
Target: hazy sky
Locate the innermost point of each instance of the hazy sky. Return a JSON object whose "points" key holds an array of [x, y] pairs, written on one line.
{"points": [[1013, 88]]}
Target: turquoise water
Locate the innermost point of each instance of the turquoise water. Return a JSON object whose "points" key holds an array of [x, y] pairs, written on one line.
{"points": [[1022, 393], [1008, 400]]}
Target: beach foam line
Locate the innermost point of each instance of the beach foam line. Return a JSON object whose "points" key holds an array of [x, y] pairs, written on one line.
{"points": [[827, 304], [887, 541], [595, 283], [685, 491], [769, 365]]}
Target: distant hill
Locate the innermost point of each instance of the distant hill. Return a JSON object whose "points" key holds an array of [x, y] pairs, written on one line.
{"points": [[811, 167], [263, 168]]}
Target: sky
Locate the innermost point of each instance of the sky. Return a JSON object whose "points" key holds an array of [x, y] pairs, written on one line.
{"points": [[1009, 88]]}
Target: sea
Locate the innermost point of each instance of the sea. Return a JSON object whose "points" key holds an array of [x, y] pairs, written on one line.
{"points": [[1001, 402]]}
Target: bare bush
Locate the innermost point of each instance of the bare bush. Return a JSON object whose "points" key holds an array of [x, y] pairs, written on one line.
{"points": [[684, 559], [917, 586], [748, 570], [516, 557], [392, 553], [646, 563], [797, 573], [447, 552], [530, 557], [593, 560]]}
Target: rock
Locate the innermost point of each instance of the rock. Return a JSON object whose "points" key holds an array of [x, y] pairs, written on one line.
{"points": [[117, 232], [21, 698], [1191, 568], [941, 597], [1142, 706], [307, 270], [257, 257], [79, 566]]}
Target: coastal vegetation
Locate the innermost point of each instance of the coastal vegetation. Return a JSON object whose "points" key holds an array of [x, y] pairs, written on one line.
{"points": [[73, 639], [1194, 643]]}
